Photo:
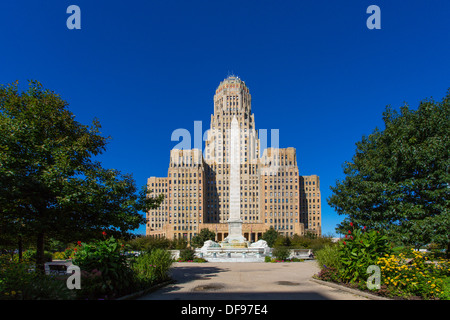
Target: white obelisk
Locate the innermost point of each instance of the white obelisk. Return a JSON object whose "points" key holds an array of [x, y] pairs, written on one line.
{"points": [[235, 222]]}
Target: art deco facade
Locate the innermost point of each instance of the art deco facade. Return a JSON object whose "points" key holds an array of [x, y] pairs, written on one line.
{"points": [[197, 188]]}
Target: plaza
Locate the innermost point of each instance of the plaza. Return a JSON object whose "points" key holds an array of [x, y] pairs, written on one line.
{"points": [[248, 281]]}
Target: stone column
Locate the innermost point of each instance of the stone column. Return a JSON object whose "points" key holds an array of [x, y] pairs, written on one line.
{"points": [[235, 222]]}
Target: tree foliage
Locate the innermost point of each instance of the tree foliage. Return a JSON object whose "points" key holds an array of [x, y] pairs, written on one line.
{"points": [[50, 184], [397, 181], [204, 235], [270, 236]]}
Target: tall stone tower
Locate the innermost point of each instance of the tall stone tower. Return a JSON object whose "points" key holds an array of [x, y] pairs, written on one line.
{"points": [[231, 101]]}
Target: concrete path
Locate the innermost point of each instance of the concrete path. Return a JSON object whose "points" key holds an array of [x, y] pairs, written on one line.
{"points": [[247, 281]]}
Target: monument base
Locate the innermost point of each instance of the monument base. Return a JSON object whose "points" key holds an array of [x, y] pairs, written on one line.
{"points": [[234, 251], [235, 236]]}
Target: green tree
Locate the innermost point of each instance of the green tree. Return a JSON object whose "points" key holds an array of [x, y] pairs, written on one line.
{"points": [[282, 241], [270, 236], [204, 235], [302, 242], [50, 185], [397, 181]]}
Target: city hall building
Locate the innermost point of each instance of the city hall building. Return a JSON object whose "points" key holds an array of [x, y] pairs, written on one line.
{"points": [[197, 187]]}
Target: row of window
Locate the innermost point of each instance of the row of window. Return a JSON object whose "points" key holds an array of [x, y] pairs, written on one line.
{"points": [[280, 200], [213, 212], [185, 181], [279, 173], [281, 194], [223, 219], [281, 214], [175, 214], [185, 164], [181, 175], [278, 187], [226, 206], [281, 221], [243, 194], [303, 201], [281, 207]]}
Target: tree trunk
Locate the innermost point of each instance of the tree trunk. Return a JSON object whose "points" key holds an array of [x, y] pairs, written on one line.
{"points": [[20, 246], [40, 258]]}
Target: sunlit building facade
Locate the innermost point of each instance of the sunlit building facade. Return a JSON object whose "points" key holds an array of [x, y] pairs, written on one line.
{"points": [[197, 188]]}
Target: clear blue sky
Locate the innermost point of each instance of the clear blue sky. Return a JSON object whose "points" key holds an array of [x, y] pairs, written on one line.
{"points": [[315, 71]]}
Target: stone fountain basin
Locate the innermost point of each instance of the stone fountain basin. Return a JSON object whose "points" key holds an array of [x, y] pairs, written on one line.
{"points": [[233, 249]]}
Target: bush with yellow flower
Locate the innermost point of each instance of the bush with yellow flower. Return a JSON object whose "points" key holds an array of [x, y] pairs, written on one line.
{"points": [[416, 276]]}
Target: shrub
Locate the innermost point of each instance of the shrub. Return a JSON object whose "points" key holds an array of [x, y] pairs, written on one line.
{"points": [[359, 250], [107, 257], [153, 267], [92, 285], [281, 253], [148, 243], [14, 279], [328, 256], [329, 274], [178, 244], [300, 242], [267, 259], [139, 243], [48, 287], [30, 255], [205, 234], [20, 282], [282, 241], [416, 277], [320, 242], [445, 289], [69, 253], [187, 254], [59, 256]]}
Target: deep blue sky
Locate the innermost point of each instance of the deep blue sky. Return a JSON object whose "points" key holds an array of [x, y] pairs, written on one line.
{"points": [[314, 70]]}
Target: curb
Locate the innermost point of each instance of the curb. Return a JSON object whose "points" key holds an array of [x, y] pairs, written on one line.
{"points": [[349, 290], [138, 294]]}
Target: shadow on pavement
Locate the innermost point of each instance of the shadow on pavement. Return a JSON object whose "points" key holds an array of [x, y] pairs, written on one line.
{"points": [[169, 294], [183, 274]]}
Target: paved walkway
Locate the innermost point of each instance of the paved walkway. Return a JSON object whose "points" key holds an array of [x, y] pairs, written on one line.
{"points": [[247, 281]]}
